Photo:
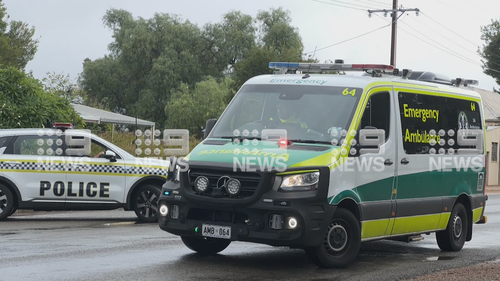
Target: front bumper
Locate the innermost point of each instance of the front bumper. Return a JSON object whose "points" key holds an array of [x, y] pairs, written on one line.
{"points": [[254, 220]]}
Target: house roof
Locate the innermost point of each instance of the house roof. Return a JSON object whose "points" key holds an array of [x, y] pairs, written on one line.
{"points": [[90, 114], [491, 103]]}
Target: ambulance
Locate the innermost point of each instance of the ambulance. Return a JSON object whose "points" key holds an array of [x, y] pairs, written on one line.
{"points": [[62, 168], [324, 157]]}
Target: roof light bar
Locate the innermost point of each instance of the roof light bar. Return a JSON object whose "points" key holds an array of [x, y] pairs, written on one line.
{"points": [[466, 82], [321, 67], [62, 126]]}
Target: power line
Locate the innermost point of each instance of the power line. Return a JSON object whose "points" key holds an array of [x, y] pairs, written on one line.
{"points": [[367, 3], [450, 30], [355, 37], [381, 3], [356, 5], [329, 3]]}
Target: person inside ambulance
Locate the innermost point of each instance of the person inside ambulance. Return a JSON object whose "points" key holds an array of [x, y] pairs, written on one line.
{"points": [[288, 115]]}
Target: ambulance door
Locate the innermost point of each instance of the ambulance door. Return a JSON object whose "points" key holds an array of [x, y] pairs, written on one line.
{"points": [[420, 180], [376, 164], [94, 178], [34, 163]]}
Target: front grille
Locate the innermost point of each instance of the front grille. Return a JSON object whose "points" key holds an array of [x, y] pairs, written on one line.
{"points": [[249, 182], [208, 215]]}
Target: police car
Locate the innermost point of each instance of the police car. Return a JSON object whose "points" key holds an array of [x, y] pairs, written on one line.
{"points": [[67, 169]]}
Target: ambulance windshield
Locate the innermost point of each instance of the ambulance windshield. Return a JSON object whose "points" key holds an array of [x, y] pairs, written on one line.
{"points": [[309, 114]]}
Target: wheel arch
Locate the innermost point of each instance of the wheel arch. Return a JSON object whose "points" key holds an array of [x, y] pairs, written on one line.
{"points": [[465, 200], [153, 180], [13, 188], [352, 206]]}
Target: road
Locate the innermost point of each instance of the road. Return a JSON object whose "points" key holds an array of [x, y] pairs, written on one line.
{"points": [[111, 245]]}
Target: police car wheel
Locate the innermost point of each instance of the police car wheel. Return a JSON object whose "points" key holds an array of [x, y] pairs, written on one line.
{"points": [[453, 237], [6, 202], [145, 203], [341, 243], [205, 246]]}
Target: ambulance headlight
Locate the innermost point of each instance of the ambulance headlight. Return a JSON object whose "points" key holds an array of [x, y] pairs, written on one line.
{"points": [[300, 182], [163, 210]]}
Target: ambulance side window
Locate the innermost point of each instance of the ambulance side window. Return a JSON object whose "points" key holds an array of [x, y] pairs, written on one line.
{"points": [[3, 142], [377, 114], [429, 123]]}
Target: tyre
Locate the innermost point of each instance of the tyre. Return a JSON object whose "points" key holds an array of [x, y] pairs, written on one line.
{"points": [[145, 203], [341, 243], [453, 237], [205, 246], [6, 202]]}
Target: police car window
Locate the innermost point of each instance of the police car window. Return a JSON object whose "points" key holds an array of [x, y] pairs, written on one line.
{"points": [[430, 123], [3, 142], [36, 145]]}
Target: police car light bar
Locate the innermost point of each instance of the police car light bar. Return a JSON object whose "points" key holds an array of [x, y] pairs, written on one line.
{"points": [[62, 126], [321, 67]]}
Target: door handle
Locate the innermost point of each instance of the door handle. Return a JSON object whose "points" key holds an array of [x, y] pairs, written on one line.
{"points": [[388, 162], [13, 163], [405, 161]]}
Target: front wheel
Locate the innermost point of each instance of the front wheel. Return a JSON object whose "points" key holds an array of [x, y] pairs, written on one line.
{"points": [[205, 246], [6, 202], [453, 237], [341, 243], [145, 203]]}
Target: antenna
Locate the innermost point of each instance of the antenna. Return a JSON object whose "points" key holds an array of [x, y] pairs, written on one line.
{"points": [[307, 74]]}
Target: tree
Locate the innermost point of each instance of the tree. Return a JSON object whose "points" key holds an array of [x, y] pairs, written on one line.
{"points": [[61, 85], [491, 49], [25, 104], [190, 109], [17, 46]]}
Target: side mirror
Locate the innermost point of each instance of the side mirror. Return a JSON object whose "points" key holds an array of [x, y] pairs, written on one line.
{"points": [[171, 168], [110, 155], [209, 127], [370, 140]]}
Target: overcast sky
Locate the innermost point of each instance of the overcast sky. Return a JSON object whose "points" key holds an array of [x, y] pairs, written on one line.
{"points": [[443, 38]]}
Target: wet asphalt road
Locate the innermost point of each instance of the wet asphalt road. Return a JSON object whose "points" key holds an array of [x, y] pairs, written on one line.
{"points": [[110, 245]]}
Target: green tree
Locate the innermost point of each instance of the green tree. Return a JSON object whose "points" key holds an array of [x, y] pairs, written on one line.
{"points": [[17, 46], [25, 104], [491, 49], [191, 108], [61, 85]]}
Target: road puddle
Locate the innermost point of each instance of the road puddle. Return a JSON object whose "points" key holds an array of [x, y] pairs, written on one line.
{"points": [[443, 258]]}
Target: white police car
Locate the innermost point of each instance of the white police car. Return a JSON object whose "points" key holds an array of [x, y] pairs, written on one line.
{"points": [[58, 169]]}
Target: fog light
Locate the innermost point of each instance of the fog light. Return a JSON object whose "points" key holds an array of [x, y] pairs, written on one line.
{"points": [[201, 184], [163, 210], [276, 221], [233, 187], [292, 223], [175, 212]]}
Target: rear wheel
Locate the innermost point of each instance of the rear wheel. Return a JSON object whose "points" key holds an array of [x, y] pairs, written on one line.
{"points": [[145, 203], [341, 243], [453, 237], [205, 246], [6, 202]]}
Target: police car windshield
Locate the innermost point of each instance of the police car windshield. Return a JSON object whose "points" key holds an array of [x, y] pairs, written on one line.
{"points": [[305, 113]]}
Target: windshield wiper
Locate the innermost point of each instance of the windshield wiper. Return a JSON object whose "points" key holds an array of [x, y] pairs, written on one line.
{"points": [[241, 138], [310, 141]]}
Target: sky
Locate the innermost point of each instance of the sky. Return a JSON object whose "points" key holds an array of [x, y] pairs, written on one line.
{"points": [[443, 38]]}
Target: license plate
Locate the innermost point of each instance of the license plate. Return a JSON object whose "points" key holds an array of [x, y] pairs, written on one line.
{"points": [[216, 231]]}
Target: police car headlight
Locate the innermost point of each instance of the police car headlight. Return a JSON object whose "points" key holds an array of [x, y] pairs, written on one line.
{"points": [[163, 210], [300, 182]]}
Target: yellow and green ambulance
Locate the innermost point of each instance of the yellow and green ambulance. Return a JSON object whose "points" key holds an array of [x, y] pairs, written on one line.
{"points": [[324, 162]]}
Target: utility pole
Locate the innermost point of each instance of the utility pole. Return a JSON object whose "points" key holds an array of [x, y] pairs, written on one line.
{"points": [[394, 14]]}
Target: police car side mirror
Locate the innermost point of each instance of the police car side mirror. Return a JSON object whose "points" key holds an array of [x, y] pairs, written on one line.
{"points": [[370, 140], [110, 155], [209, 127]]}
